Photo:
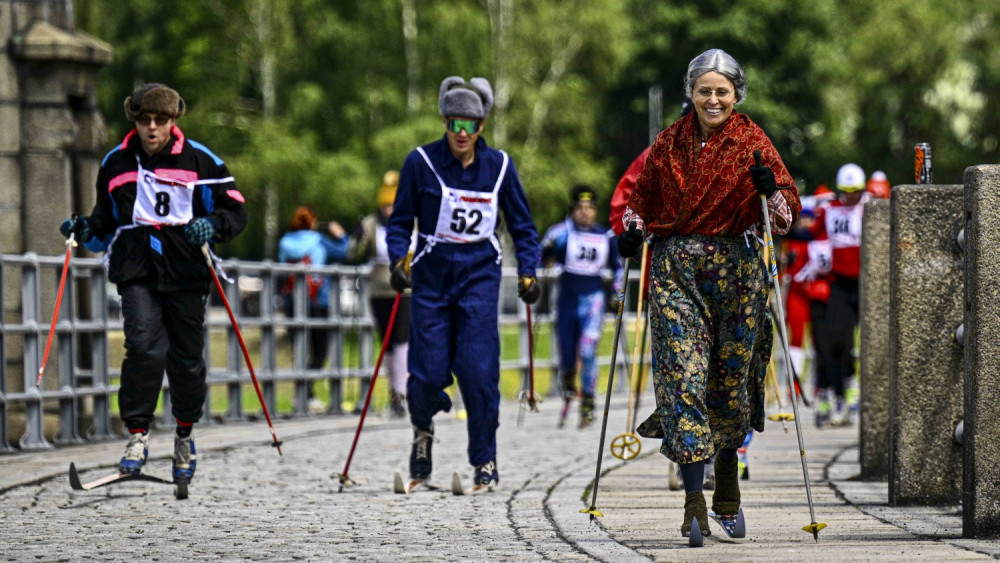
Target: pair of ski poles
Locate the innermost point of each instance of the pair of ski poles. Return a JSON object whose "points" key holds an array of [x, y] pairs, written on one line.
{"points": [[71, 242]]}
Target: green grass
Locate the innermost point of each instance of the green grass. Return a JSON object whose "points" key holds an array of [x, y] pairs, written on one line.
{"points": [[510, 379]]}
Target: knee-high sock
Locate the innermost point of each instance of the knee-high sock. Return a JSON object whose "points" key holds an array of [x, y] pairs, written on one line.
{"points": [[398, 370]]}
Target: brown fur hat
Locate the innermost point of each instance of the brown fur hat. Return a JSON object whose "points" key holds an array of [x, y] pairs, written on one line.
{"points": [[154, 98]]}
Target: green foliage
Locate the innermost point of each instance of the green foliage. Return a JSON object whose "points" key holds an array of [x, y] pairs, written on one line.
{"points": [[317, 99]]}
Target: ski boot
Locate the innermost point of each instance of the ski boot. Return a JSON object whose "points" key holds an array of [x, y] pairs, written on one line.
{"points": [[744, 467], [486, 475], [136, 453], [586, 411], [397, 405], [695, 512], [822, 412], [420, 454], [185, 459], [726, 499]]}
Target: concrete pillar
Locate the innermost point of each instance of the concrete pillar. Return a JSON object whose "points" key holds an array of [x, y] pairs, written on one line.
{"points": [[874, 317], [981, 455], [926, 374]]}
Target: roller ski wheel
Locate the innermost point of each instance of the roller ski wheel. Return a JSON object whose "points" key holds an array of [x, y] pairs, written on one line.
{"points": [[733, 524], [695, 537], [181, 488]]}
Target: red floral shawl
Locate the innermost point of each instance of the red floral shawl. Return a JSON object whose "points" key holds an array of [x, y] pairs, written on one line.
{"points": [[711, 193]]}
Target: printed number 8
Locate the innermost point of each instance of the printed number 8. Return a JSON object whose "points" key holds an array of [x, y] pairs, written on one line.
{"points": [[162, 207]]}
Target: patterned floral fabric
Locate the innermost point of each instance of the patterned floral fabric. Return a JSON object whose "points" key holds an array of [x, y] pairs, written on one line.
{"points": [[712, 336], [689, 189]]}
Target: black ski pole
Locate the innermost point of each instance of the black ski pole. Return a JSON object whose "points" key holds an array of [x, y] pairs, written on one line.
{"points": [[592, 510]]}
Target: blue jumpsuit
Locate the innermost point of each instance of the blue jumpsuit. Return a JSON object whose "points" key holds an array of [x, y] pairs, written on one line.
{"points": [[580, 309], [456, 284]]}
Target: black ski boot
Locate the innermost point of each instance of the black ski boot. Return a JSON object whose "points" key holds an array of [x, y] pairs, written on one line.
{"points": [[486, 475], [420, 454], [586, 411], [568, 378]]}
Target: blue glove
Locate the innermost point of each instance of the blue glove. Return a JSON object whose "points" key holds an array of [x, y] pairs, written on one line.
{"points": [[79, 225], [199, 231]]}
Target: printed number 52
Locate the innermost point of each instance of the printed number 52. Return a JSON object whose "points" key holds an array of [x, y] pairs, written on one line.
{"points": [[466, 221]]}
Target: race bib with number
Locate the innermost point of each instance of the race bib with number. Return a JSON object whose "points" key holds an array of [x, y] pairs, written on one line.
{"points": [[162, 201], [466, 215], [586, 253]]}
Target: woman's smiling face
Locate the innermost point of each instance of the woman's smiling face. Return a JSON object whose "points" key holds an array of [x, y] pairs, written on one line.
{"points": [[714, 97]]}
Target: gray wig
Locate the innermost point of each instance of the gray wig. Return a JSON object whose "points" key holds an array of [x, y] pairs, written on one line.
{"points": [[716, 60]]}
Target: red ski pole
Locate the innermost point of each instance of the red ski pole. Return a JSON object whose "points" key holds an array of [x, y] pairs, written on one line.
{"points": [[529, 401], [344, 479], [239, 336], [70, 243]]}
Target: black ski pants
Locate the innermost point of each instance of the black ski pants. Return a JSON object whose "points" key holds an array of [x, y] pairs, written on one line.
{"points": [[163, 331], [833, 333]]}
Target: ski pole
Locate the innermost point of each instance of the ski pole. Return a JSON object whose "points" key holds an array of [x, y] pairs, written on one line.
{"points": [[627, 446], [592, 510], [344, 479], [70, 243], [239, 336], [813, 526], [529, 401], [642, 363]]}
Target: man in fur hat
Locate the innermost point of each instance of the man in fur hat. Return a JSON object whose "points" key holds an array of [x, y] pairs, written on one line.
{"points": [[160, 197], [454, 189]]}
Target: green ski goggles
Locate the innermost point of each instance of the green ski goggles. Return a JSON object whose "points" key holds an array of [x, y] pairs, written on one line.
{"points": [[471, 126]]}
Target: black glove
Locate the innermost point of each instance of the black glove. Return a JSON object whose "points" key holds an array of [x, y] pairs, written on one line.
{"points": [[79, 225], [763, 177], [629, 242], [528, 290], [400, 279], [199, 231]]}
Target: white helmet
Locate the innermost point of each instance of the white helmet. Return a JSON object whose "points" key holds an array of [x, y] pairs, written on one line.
{"points": [[850, 178]]}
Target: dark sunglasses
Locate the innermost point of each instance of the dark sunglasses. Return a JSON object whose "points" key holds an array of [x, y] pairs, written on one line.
{"points": [[146, 119], [471, 126]]}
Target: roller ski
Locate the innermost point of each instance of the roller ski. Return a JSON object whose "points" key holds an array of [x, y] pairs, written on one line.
{"points": [[485, 480], [733, 524], [421, 463], [695, 525], [402, 486], [564, 413], [568, 392], [77, 485]]}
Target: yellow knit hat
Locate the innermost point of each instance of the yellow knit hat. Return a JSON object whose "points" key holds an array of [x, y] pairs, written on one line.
{"points": [[387, 193]]}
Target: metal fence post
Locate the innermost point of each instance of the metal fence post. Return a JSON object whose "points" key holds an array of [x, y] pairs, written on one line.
{"points": [[69, 419], [34, 415], [5, 446], [100, 377]]}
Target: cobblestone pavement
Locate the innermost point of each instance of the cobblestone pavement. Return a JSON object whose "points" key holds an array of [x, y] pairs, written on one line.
{"points": [[249, 504]]}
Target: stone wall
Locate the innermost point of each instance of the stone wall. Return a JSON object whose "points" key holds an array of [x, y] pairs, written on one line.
{"points": [[874, 321]]}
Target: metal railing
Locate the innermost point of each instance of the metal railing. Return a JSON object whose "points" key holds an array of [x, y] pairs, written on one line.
{"points": [[80, 385]]}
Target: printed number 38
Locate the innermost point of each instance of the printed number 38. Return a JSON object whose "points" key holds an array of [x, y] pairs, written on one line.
{"points": [[466, 221]]}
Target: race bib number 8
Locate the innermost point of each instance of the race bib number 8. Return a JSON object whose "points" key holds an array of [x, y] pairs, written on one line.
{"points": [[162, 202]]}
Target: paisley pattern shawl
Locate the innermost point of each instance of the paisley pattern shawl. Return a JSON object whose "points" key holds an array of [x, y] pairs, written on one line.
{"points": [[709, 192]]}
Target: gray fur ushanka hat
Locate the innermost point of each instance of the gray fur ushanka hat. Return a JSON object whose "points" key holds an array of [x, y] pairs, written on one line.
{"points": [[460, 99]]}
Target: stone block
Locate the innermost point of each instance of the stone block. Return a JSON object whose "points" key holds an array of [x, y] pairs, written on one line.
{"points": [[10, 206], [48, 128], [8, 79], [46, 200], [981, 477], [926, 375], [874, 321], [10, 133]]}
